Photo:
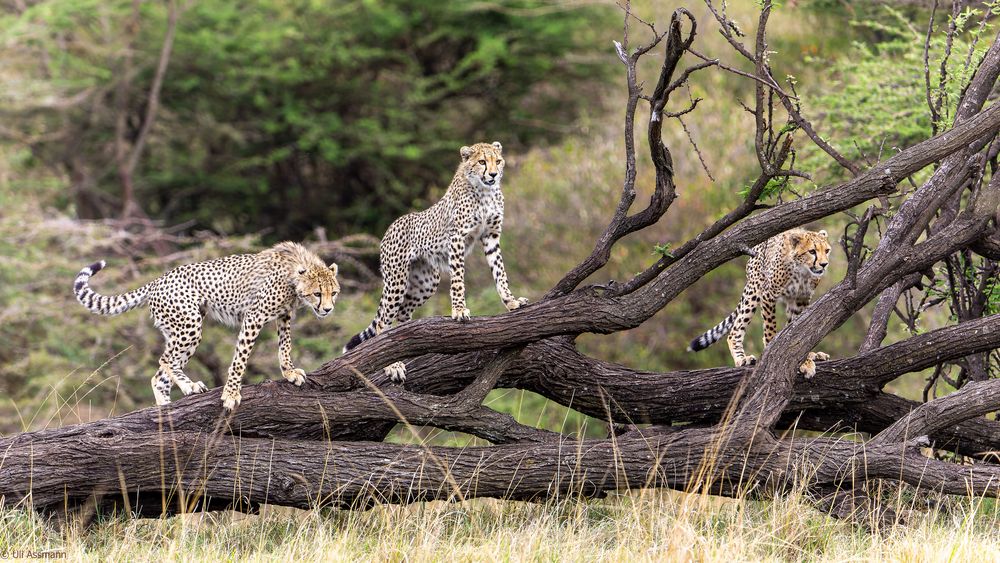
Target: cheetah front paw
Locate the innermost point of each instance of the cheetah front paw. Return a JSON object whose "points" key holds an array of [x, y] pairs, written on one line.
{"points": [[808, 367], [295, 375], [230, 399], [191, 387], [516, 303], [460, 314], [396, 372], [746, 361]]}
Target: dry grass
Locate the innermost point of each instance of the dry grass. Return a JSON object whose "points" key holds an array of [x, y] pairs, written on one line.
{"points": [[637, 526]]}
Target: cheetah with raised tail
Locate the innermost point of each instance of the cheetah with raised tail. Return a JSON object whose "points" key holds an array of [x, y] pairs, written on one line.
{"points": [[785, 268], [418, 246], [249, 290]]}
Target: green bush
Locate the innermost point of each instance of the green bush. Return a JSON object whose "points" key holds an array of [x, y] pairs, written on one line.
{"points": [[289, 114], [876, 101]]}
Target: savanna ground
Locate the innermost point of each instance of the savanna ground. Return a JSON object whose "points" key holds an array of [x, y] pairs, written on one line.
{"points": [[59, 365]]}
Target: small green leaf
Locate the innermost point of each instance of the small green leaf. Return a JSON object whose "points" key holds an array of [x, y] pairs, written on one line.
{"points": [[663, 250]]}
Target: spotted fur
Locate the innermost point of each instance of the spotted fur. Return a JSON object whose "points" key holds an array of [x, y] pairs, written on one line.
{"points": [[419, 246], [249, 290], [785, 268]]}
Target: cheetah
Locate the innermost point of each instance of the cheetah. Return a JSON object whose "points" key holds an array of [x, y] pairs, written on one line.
{"points": [[249, 290], [418, 246], [785, 268]]}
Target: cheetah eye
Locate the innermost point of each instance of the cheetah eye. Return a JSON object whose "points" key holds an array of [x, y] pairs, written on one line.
{"points": [[483, 162], [317, 294], [813, 252]]}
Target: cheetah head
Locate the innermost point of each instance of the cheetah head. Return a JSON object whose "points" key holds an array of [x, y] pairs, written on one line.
{"points": [[317, 287], [483, 164], [811, 251]]}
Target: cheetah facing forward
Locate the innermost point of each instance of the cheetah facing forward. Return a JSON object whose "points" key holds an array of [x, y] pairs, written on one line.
{"points": [[245, 289], [786, 268], [418, 246]]}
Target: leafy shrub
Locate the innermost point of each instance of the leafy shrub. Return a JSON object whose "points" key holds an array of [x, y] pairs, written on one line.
{"points": [[289, 114]]}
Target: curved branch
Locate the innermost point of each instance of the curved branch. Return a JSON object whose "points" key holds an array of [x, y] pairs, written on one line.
{"points": [[988, 247], [587, 310], [974, 399], [879, 325], [664, 192], [153, 103]]}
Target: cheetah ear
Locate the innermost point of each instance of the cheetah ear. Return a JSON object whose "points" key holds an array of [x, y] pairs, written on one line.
{"points": [[466, 152], [498, 146], [334, 268], [795, 239], [302, 271], [822, 233]]}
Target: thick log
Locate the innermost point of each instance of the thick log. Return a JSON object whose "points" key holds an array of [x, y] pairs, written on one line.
{"points": [[331, 407], [328, 407], [152, 473]]}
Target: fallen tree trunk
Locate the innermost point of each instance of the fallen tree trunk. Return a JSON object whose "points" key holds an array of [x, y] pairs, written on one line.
{"points": [[715, 430], [153, 473], [301, 428]]}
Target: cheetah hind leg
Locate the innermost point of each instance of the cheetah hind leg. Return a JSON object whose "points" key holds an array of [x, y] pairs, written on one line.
{"points": [[422, 282], [187, 386], [516, 303], [161, 384], [176, 356]]}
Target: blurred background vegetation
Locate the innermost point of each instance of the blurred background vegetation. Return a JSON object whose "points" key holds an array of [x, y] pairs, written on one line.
{"points": [[281, 115], [317, 120]]}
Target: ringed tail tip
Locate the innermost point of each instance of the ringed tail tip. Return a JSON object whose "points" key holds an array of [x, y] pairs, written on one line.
{"points": [[352, 343], [94, 268], [698, 344]]}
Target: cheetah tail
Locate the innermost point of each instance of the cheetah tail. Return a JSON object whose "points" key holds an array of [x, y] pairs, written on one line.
{"points": [[360, 337], [105, 304], [713, 335]]}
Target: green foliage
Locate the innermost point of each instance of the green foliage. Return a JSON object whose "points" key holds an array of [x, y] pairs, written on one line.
{"points": [[663, 250], [968, 271], [876, 102], [774, 188], [288, 114], [993, 299]]}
